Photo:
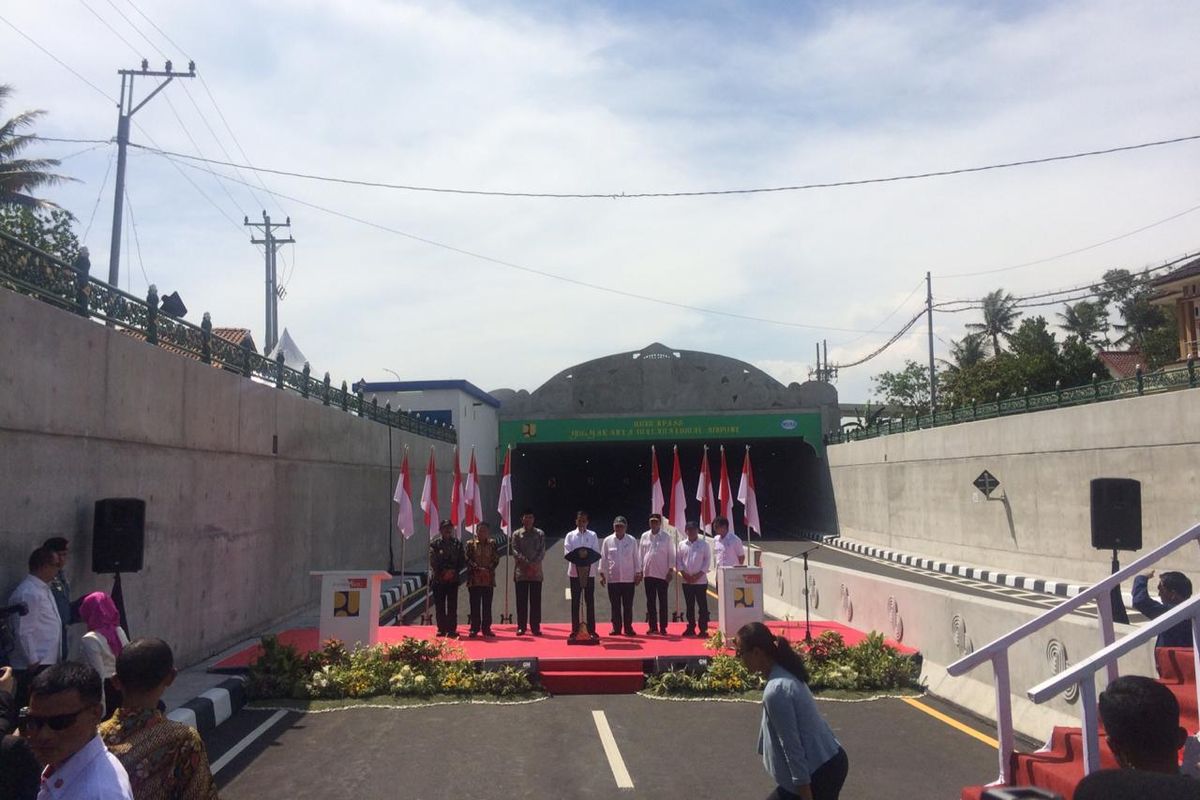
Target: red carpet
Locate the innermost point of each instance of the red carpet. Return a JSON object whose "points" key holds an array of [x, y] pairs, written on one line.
{"points": [[1059, 768]]}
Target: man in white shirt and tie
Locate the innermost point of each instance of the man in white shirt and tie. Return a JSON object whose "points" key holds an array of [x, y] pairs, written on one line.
{"points": [[38, 633], [581, 536], [727, 549], [693, 560], [619, 571], [656, 557]]}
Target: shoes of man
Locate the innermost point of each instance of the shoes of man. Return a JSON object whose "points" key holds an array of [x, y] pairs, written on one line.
{"points": [[704, 632], [630, 632], [615, 632], [488, 634], [537, 631], [440, 634], [520, 631], [690, 632], [452, 635], [652, 631], [473, 634]]}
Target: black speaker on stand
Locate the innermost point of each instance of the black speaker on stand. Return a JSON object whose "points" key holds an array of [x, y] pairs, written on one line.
{"points": [[1117, 525], [118, 543]]}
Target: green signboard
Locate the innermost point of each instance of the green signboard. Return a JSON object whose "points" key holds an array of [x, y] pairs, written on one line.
{"points": [[662, 429]]}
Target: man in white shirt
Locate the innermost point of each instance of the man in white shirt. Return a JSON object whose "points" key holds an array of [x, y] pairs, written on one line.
{"points": [[581, 536], [619, 571], [60, 723], [38, 633], [727, 549], [656, 557], [693, 560]]}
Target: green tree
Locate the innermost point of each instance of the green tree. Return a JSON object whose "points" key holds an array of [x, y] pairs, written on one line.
{"points": [[1087, 320], [1147, 328], [966, 352], [47, 229], [1036, 353], [906, 389], [18, 176], [999, 317], [1078, 363]]}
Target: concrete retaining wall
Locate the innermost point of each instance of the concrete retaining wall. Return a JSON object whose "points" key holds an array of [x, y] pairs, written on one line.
{"points": [[944, 626], [247, 488], [913, 491]]}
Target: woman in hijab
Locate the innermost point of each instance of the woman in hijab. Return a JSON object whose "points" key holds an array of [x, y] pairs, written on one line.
{"points": [[103, 643], [798, 748]]}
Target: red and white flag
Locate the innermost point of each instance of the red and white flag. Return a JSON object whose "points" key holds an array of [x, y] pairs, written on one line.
{"points": [[403, 497], [505, 505], [429, 498], [747, 497], [458, 505], [656, 496], [678, 496], [472, 496], [704, 493], [725, 493]]}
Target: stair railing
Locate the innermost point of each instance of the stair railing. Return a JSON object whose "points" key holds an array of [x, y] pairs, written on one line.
{"points": [[997, 651], [1083, 674]]}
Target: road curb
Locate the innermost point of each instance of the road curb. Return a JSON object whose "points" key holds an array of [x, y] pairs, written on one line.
{"points": [[1010, 579], [212, 707]]}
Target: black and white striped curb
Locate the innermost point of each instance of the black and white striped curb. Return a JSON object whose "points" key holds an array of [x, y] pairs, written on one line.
{"points": [[1059, 588], [393, 596], [208, 710]]}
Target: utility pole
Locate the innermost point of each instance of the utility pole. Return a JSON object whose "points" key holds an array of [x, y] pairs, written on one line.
{"points": [[271, 244], [126, 110], [929, 321]]}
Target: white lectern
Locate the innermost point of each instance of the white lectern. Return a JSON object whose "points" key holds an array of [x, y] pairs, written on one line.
{"points": [[350, 605], [740, 593]]}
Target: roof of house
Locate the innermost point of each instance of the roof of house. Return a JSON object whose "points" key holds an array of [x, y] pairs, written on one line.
{"points": [[233, 335], [466, 387], [1189, 270], [1120, 363]]}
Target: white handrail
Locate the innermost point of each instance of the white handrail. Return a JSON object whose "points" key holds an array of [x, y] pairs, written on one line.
{"points": [[997, 651], [1083, 674]]}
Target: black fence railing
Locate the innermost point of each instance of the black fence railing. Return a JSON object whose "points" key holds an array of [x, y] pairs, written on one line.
{"points": [[28, 270], [1097, 391]]}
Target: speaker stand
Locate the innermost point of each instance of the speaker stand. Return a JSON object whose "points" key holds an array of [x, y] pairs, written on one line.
{"points": [[1118, 602], [118, 598], [807, 621]]}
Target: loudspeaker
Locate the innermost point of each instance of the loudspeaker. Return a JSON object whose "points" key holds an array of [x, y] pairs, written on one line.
{"points": [[693, 665], [118, 534], [1116, 514], [527, 665]]}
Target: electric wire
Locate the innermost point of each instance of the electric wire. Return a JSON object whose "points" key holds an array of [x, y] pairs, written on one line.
{"points": [[903, 303], [532, 270], [77, 153], [104, 183], [704, 193], [136, 240], [895, 338], [57, 60]]}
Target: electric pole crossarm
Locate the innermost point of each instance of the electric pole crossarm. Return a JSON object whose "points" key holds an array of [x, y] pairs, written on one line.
{"points": [[150, 96]]}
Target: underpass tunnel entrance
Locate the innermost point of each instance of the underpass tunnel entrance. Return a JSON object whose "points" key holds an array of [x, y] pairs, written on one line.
{"points": [[611, 478]]}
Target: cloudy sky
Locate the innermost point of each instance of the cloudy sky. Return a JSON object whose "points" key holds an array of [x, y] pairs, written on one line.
{"points": [[611, 98]]}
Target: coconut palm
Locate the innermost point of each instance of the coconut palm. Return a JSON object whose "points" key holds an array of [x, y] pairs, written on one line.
{"points": [[968, 351], [20, 175], [999, 318], [1088, 321]]}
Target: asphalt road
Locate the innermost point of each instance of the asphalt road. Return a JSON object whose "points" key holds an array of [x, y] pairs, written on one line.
{"points": [[554, 749]]}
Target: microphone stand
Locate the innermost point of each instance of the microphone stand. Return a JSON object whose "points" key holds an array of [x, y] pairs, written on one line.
{"points": [[807, 618]]}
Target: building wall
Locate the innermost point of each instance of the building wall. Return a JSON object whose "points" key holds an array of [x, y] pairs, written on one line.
{"points": [[476, 421], [914, 491], [247, 488]]}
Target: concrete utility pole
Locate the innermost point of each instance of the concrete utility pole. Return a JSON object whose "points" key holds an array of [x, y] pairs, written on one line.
{"points": [[271, 243], [929, 320], [126, 110]]}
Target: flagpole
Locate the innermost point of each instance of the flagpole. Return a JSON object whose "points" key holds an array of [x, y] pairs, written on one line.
{"points": [[403, 540], [426, 618], [506, 617], [391, 546], [750, 531]]}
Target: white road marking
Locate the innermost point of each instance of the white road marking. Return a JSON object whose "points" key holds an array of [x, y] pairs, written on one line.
{"points": [[237, 749], [567, 593], [615, 762]]}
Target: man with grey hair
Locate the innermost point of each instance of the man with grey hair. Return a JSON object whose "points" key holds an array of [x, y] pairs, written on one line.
{"points": [[693, 560], [620, 573]]}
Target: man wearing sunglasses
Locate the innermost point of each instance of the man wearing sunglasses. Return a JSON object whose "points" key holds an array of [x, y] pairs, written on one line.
{"points": [[60, 724]]}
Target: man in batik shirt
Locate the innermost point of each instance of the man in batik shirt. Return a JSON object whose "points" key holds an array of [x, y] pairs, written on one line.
{"points": [[482, 560], [166, 760]]}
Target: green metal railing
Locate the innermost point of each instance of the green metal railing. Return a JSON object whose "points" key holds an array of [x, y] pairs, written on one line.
{"points": [[1096, 392], [28, 270]]}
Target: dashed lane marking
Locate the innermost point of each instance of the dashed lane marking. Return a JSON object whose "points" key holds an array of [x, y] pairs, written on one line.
{"points": [[615, 762]]}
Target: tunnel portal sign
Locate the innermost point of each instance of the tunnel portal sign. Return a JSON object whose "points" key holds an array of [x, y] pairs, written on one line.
{"points": [[663, 428]]}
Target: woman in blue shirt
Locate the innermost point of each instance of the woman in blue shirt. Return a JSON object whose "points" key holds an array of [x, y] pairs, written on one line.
{"points": [[799, 750]]}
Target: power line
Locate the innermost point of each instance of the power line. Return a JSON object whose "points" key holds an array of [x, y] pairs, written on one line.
{"points": [[531, 270], [39, 137], [707, 193], [895, 338], [57, 60], [1077, 251], [137, 241], [99, 195], [903, 303]]}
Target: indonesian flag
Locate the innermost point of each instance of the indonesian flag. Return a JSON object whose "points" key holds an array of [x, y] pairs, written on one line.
{"points": [[725, 493], [429, 498], [403, 496], [505, 505], [458, 501], [747, 497], [704, 493], [678, 496], [473, 496], [656, 495]]}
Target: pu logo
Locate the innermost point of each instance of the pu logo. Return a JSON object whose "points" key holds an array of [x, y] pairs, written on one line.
{"points": [[529, 430], [743, 597], [345, 604]]}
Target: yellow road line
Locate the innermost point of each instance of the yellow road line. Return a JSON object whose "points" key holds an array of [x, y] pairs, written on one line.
{"points": [[953, 723]]}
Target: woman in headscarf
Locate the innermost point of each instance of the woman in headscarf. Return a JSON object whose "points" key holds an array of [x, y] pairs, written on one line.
{"points": [[103, 643], [798, 748]]}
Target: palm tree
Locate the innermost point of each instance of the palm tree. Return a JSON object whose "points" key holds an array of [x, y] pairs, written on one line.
{"points": [[1088, 321], [967, 351], [19, 175], [999, 317]]}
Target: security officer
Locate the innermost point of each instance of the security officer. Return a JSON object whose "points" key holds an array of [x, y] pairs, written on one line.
{"points": [[446, 561]]}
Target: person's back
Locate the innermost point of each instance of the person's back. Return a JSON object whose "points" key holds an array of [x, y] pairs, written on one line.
{"points": [[1132, 784], [165, 759], [1173, 589]]}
